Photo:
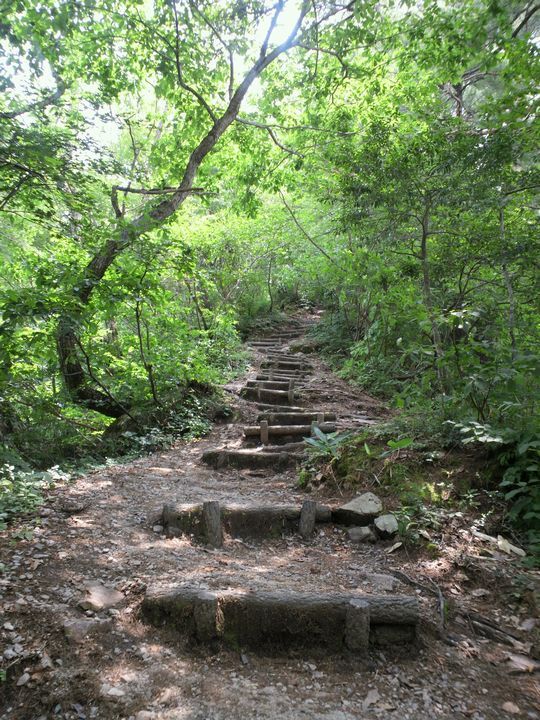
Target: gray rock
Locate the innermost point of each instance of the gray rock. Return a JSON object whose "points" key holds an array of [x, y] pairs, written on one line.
{"points": [[361, 534], [99, 597], [386, 525], [77, 630], [359, 511], [382, 582], [25, 677]]}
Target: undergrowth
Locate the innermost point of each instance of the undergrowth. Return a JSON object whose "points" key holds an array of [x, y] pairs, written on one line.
{"points": [[431, 486]]}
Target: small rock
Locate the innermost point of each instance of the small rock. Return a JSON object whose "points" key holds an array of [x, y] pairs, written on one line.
{"points": [[361, 534], [511, 708], [381, 581], [25, 677], [45, 663], [480, 592], [145, 715], [99, 597], [77, 630], [8, 626], [371, 698], [158, 528], [111, 691], [359, 511], [386, 525]]}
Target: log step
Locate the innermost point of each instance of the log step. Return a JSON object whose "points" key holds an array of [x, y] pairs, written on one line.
{"points": [[243, 521], [336, 622], [295, 418], [270, 384], [285, 364], [291, 447], [270, 396], [304, 430], [278, 408], [253, 459], [297, 379]]}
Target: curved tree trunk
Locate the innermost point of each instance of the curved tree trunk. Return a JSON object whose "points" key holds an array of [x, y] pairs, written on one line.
{"points": [[79, 381]]}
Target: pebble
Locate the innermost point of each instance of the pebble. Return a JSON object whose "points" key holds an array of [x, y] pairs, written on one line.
{"points": [[25, 677]]}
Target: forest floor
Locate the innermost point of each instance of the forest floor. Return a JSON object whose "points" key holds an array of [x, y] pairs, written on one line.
{"points": [[63, 661]]}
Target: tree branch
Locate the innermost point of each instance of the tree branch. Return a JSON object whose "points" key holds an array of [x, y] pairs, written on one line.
{"points": [[183, 84], [38, 105], [157, 191], [528, 15], [272, 134], [227, 47], [307, 235], [271, 28]]}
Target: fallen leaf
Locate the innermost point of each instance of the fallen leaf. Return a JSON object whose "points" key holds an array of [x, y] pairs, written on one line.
{"points": [[395, 546]]}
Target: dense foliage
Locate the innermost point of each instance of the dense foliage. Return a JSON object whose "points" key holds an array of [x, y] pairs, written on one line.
{"points": [[169, 171]]}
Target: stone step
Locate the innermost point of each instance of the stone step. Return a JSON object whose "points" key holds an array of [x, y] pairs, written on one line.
{"points": [[254, 459], [276, 621], [239, 521], [295, 418], [304, 430], [269, 396]]}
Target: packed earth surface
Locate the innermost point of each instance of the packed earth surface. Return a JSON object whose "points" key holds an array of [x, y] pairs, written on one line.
{"points": [[76, 644]]}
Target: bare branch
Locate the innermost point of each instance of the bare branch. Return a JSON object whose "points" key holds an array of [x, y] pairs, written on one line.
{"points": [[308, 236], [291, 128], [528, 15], [271, 28], [272, 134], [114, 202], [326, 51], [156, 191], [227, 47], [180, 76]]}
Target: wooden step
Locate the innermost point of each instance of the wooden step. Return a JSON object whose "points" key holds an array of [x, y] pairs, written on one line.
{"points": [[280, 378], [271, 384], [269, 396], [290, 447], [336, 622], [285, 364], [243, 521], [250, 459], [303, 430], [295, 418], [278, 408]]}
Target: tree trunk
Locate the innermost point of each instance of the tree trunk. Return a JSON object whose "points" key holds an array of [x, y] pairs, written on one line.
{"points": [[428, 302], [509, 286], [79, 381]]}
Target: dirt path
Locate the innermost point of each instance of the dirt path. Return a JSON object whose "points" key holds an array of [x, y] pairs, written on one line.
{"points": [[66, 662]]}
